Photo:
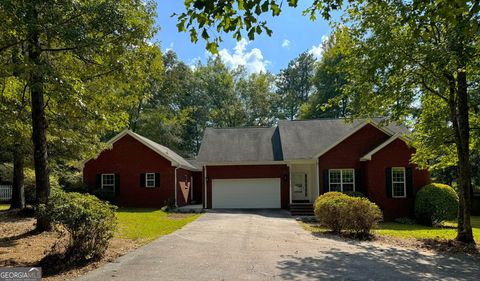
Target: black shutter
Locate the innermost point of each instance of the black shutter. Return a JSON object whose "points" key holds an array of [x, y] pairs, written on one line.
{"points": [[142, 180], [358, 181], [409, 181], [157, 179], [388, 182], [326, 187], [117, 184], [98, 181]]}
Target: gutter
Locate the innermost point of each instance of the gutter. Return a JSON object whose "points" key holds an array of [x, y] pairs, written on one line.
{"points": [[176, 186]]}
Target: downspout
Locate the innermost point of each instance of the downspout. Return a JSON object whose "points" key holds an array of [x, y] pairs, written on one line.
{"points": [[205, 189], [318, 178], [176, 187]]}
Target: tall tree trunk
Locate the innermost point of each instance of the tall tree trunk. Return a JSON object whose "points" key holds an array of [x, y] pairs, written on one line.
{"points": [[18, 194], [464, 168], [39, 124]]}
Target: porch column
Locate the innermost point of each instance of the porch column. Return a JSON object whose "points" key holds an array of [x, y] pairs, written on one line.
{"points": [[290, 182]]}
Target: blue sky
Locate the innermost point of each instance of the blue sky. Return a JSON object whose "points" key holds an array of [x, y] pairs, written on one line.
{"points": [[292, 34]]}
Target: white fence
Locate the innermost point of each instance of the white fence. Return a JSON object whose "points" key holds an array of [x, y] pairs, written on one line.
{"points": [[5, 193]]}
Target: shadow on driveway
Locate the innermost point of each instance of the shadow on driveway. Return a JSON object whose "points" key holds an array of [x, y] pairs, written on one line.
{"points": [[378, 263]]}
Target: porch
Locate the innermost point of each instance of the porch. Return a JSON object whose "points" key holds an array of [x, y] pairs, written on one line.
{"points": [[304, 187]]}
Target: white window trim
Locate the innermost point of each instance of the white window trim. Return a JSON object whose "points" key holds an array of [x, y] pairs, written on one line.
{"points": [[404, 182], [146, 180], [341, 178], [104, 185]]}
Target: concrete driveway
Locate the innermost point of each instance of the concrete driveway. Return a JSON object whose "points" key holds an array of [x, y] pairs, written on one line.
{"points": [[270, 245]]}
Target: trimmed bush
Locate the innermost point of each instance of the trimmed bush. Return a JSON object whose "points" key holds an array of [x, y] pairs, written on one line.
{"points": [[88, 221], [330, 210], [338, 211], [435, 203]]}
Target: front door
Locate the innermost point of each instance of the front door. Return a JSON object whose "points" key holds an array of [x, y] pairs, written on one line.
{"points": [[300, 187]]}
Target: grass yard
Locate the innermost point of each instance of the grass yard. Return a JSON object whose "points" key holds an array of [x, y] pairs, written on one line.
{"points": [[424, 232], [416, 231], [146, 225], [4, 207]]}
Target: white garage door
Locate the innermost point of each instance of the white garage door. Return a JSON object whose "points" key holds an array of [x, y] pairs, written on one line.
{"points": [[246, 193]]}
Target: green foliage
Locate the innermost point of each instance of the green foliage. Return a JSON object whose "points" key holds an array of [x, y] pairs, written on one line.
{"points": [[327, 100], [405, 221], [89, 222], [239, 18], [169, 205], [294, 85], [6, 174], [338, 212], [330, 210], [72, 181], [435, 203]]}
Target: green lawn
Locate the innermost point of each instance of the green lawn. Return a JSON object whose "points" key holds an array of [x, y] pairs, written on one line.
{"points": [[421, 232], [414, 231], [4, 207], [145, 225]]}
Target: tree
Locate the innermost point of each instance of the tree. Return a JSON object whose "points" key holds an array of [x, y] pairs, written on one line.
{"points": [[50, 41], [403, 52], [327, 100], [294, 84], [14, 112], [257, 98]]}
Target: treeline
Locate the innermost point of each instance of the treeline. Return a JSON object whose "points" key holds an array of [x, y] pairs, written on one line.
{"points": [[190, 98]]}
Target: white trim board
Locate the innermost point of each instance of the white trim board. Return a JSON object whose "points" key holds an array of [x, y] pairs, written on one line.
{"points": [[369, 155], [356, 129]]}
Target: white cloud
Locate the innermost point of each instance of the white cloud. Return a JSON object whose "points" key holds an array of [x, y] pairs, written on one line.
{"points": [[317, 51], [286, 43], [252, 60], [170, 47]]}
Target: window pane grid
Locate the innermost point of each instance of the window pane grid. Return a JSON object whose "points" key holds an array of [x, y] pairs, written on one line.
{"points": [[341, 180], [108, 181], [398, 182], [150, 179]]}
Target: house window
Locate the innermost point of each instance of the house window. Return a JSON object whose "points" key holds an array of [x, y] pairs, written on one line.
{"points": [[150, 180], [341, 180], [399, 188], [108, 182]]}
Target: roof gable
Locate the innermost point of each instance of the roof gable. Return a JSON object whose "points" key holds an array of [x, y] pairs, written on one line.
{"points": [[163, 151], [369, 155]]}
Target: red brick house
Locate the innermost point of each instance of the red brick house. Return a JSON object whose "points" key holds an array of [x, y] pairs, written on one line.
{"points": [[138, 172], [290, 165]]}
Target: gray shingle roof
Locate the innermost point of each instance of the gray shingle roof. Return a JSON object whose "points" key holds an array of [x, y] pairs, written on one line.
{"points": [[166, 152], [240, 145], [290, 140]]}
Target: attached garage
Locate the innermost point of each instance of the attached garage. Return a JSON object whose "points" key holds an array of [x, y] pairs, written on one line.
{"points": [[246, 193]]}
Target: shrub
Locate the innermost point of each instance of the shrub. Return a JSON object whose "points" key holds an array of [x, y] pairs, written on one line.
{"points": [[338, 212], [330, 208], [169, 205], [362, 215], [72, 182], [88, 221], [435, 203]]}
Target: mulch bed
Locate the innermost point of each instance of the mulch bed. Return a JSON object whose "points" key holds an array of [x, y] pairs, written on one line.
{"points": [[21, 245]]}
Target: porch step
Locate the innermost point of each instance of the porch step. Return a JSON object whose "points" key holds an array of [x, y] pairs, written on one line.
{"points": [[301, 209]]}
